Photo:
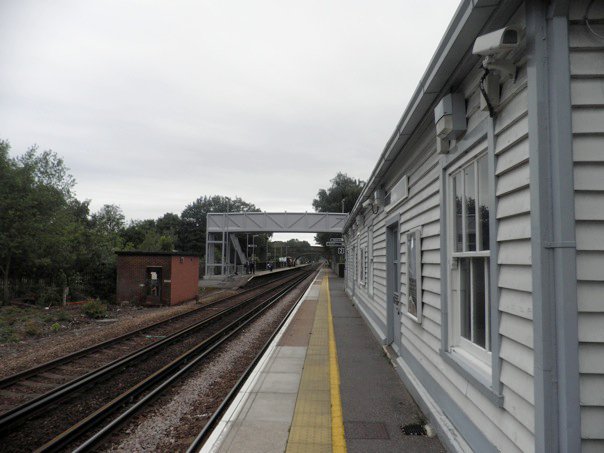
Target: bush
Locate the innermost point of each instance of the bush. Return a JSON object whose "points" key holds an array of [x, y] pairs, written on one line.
{"points": [[62, 316], [32, 328], [49, 295], [95, 309], [8, 334], [55, 327]]}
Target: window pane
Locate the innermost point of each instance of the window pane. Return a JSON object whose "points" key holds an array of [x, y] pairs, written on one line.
{"points": [[412, 270], [457, 223], [464, 298], [479, 312], [470, 199], [483, 202]]}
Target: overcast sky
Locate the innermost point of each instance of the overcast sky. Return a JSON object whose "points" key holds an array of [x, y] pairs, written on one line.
{"points": [[155, 103]]}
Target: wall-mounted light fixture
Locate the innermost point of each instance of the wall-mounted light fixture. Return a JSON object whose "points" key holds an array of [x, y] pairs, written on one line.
{"points": [[450, 120]]}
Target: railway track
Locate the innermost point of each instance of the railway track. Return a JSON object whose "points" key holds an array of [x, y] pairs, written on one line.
{"points": [[74, 408], [23, 387]]}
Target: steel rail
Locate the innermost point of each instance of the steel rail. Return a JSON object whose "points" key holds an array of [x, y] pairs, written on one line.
{"points": [[14, 378], [162, 378], [17, 414], [215, 418]]}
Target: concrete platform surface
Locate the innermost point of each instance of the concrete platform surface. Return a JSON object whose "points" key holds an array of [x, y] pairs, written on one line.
{"points": [[325, 385], [238, 280]]}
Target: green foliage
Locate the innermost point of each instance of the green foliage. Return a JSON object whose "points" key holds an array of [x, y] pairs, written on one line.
{"points": [[192, 234], [166, 243], [36, 221], [62, 316], [95, 309], [150, 242], [343, 189], [55, 327], [168, 225], [292, 247], [32, 328], [48, 296], [8, 334], [109, 220]]}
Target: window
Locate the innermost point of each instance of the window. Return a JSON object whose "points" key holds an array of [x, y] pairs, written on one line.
{"points": [[469, 258], [361, 265], [414, 275], [364, 259]]}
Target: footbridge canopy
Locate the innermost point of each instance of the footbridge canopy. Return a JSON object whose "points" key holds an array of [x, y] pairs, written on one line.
{"points": [[276, 222]]}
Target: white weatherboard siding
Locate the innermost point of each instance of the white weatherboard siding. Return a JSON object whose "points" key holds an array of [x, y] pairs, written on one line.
{"points": [[514, 258], [509, 428], [508, 423], [587, 95]]}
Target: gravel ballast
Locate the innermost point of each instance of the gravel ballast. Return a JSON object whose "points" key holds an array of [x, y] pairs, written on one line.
{"points": [[173, 421]]}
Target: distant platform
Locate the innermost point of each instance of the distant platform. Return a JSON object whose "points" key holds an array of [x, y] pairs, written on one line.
{"points": [[238, 280]]}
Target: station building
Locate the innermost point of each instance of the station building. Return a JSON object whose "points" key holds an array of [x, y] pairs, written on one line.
{"points": [[157, 278], [476, 249]]}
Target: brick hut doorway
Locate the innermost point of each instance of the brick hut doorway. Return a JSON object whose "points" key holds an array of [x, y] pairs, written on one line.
{"points": [[154, 285]]}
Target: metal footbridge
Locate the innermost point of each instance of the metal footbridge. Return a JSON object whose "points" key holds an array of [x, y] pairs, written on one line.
{"points": [[222, 245]]}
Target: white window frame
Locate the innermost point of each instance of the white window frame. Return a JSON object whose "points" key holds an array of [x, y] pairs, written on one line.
{"points": [[415, 233], [362, 268], [480, 358], [363, 265]]}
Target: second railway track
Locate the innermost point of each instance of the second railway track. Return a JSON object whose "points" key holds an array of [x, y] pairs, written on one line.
{"points": [[32, 424]]}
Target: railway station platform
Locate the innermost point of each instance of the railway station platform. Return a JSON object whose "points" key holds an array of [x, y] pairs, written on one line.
{"points": [[236, 281], [324, 385]]}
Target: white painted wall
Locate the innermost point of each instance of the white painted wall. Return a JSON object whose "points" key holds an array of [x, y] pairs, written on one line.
{"points": [[587, 97], [509, 428]]}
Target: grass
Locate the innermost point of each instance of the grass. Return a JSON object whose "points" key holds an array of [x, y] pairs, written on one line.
{"points": [[20, 323]]}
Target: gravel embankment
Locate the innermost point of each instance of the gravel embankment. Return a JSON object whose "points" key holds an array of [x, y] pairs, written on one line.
{"points": [[16, 357]]}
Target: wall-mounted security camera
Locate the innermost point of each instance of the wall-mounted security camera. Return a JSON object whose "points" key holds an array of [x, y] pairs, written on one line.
{"points": [[497, 42], [367, 203], [493, 45]]}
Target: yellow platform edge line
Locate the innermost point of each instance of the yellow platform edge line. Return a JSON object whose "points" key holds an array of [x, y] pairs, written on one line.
{"points": [[337, 421]]}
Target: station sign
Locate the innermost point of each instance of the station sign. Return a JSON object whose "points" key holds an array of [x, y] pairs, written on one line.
{"points": [[341, 240], [333, 244]]}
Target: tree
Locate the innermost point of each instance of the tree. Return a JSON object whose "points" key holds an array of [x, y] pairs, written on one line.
{"points": [[135, 233], [168, 224], [339, 197], [192, 232], [35, 215], [292, 247], [109, 219]]}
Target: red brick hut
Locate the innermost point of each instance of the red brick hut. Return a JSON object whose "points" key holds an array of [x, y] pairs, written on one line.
{"points": [[157, 278]]}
